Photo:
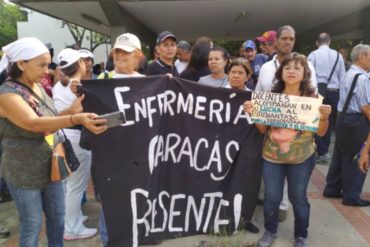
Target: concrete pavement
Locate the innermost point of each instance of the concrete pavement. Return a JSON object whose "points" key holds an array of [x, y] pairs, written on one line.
{"points": [[331, 225]]}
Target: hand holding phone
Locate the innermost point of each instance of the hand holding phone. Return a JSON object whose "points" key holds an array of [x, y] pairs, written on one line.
{"points": [[114, 119]]}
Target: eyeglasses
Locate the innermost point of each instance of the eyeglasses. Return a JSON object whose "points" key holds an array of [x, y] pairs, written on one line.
{"points": [[266, 44]]}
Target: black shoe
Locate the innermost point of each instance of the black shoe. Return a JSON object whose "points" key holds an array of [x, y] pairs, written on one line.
{"points": [[250, 227], [357, 203], [6, 197], [332, 195], [4, 233], [260, 202]]}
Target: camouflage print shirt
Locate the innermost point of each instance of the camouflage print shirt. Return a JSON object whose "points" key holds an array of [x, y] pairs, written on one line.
{"points": [[26, 156]]}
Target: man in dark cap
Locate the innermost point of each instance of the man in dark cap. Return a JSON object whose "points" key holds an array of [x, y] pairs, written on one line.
{"points": [[166, 49]]}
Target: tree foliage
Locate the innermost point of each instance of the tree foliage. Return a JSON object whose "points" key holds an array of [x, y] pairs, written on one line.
{"points": [[10, 14], [79, 34]]}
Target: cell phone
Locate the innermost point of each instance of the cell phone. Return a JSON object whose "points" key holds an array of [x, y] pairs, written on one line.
{"points": [[79, 91], [114, 119]]}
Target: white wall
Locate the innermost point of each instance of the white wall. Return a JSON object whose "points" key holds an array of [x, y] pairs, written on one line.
{"points": [[49, 30]]}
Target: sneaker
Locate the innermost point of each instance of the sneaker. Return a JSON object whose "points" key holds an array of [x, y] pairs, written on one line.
{"points": [[85, 233], [266, 240], [300, 242], [4, 232], [282, 215], [84, 218], [323, 158]]}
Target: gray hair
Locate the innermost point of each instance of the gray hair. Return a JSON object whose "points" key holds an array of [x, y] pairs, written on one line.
{"points": [[283, 28], [323, 38], [359, 50]]}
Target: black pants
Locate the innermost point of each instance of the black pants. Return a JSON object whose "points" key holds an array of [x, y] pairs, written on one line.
{"points": [[343, 174]]}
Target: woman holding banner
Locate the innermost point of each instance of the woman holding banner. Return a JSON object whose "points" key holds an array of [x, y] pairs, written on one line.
{"points": [[26, 119], [289, 153], [126, 55]]}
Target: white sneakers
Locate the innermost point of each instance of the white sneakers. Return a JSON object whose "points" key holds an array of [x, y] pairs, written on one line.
{"points": [[84, 218], [84, 233]]}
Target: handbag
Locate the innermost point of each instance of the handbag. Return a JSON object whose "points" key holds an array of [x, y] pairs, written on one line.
{"points": [[64, 160]]}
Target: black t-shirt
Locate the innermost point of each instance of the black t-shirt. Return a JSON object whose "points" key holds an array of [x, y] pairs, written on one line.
{"points": [[195, 75], [157, 67]]}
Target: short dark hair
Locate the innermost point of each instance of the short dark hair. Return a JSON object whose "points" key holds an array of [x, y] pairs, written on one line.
{"points": [[225, 54], [323, 38], [283, 28], [14, 72], [305, 87]]}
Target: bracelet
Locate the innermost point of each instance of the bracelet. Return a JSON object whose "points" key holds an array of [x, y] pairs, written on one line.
{"points": [[71, 119]]}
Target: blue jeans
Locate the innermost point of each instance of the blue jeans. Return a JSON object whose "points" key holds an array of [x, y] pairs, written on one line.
{"points": [[30, 205], [103, 228], [298, 176]]}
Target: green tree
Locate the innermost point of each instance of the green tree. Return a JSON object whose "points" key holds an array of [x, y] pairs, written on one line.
{"points": [[10, 14], [80, 33]]}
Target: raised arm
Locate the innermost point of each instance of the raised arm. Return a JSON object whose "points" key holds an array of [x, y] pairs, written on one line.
{"points": [[325, 111], [248, 108]]}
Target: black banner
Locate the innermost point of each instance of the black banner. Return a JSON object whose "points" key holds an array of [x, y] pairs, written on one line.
{"points": [[185, 162]]}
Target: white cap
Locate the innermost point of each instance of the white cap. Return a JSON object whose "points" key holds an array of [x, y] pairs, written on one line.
{"points": [[85, 53], [67, 57], [127, 42]]}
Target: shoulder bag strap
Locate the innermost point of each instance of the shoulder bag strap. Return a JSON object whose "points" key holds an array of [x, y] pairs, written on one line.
{"points": [[41, 100], [335, 65], [349, 97], [37, 97]]}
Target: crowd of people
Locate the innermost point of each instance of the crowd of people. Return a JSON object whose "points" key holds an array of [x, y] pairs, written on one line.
{"points": [[35, 102]]}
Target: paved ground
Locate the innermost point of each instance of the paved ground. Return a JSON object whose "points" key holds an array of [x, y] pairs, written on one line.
{"points": [[331, 225]]}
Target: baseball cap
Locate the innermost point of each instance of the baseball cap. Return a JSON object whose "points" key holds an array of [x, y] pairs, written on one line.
{"points": [[127, 42], [268, 36], [184, 45], [164, 35], [85, 53], [249, 44], [67, 57]]}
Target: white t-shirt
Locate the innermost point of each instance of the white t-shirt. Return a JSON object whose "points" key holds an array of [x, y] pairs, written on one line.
{"points": [[267, 78], [64, 98], [135, 74], [180, 66]]}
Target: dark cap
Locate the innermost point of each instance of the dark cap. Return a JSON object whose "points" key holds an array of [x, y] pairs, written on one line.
{"points": [[184, 45], [164, 35]]}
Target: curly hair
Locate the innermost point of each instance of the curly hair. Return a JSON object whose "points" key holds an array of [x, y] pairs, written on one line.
{"points": [[305, 87]]}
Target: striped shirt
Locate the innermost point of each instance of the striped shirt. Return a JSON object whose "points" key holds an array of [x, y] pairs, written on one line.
{"points": [[361, 93]]}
